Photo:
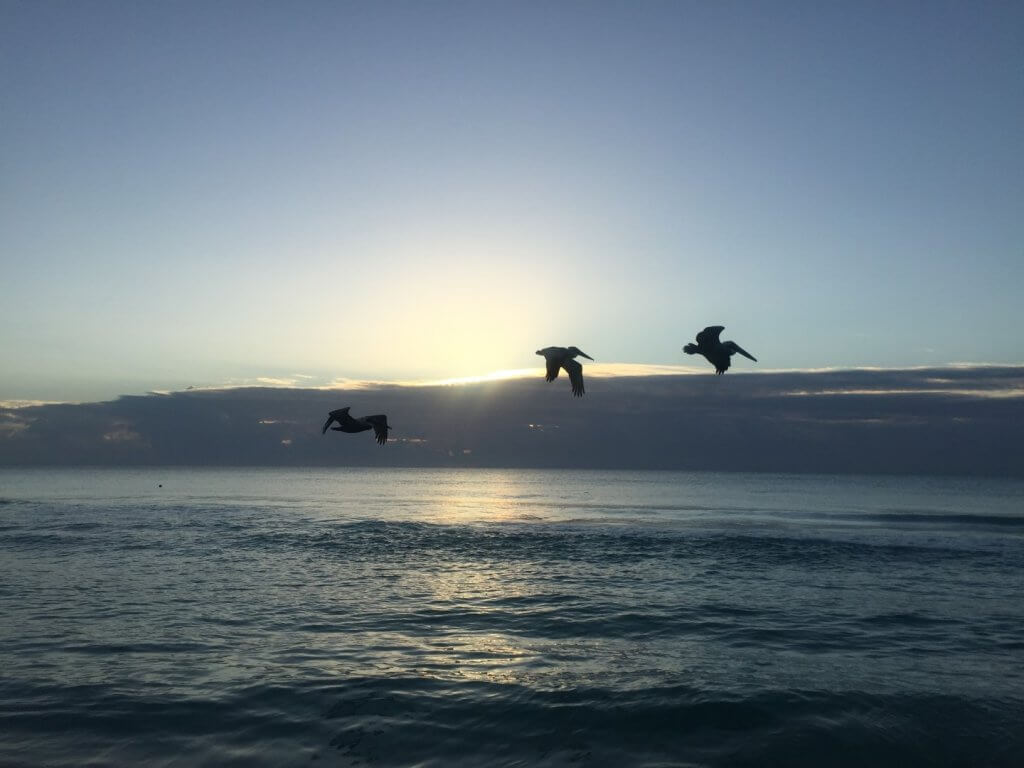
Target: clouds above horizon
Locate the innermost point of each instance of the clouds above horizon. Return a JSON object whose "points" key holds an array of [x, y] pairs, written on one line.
{"points": [[929, 420]]}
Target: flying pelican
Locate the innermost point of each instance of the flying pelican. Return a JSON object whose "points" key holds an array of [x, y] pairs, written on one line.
{"points": [[717, 352], [346, 423], [561, 357]]}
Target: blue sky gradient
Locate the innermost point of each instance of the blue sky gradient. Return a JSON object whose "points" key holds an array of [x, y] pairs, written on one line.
{"points": [[199, 193]]}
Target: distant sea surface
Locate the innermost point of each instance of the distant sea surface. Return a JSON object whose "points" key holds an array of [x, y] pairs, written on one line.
{"points": [[508, 618]]}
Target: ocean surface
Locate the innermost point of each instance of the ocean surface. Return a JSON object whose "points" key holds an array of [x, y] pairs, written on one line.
{"points": [[508, 618]]}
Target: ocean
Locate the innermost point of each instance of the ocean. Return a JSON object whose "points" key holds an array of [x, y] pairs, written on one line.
{"points": [[353, 617]]}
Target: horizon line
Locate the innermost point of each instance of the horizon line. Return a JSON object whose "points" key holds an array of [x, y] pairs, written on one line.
{"points": [[597, 370]]}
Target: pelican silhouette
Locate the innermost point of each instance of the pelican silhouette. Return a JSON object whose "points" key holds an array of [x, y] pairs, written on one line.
{"points": [[717, 352], [562, 357], [378, 423]]}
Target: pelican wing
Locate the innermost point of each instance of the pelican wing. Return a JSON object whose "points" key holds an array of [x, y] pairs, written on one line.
{"points": [[575, 371], [380, 426], [333, 416], [553, 367], [709, 336], [737, 348]]}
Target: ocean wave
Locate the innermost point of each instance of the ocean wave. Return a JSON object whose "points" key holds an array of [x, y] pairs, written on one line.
{"points": [[371, 539], [406, 721], [946, 519]]}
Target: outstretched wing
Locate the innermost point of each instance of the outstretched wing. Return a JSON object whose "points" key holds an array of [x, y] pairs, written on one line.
{"points": [[380, 426], [553, 367], [709, 336], [333, 416], [737, 348], [575, 371], [553, 357]]}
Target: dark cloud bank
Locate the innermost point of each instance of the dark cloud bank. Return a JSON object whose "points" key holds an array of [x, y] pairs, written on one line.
{"points": [[948, 420]]}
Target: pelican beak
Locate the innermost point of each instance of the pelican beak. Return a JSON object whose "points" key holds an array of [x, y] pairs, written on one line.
{"points": [[586, 355]]}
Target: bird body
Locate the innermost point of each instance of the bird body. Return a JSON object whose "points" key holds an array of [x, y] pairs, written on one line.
{"points": [[717, 352], [562, 357], [346, 423]]}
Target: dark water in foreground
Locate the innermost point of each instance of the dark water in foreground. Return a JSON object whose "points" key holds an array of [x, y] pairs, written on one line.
{"points": [[437, 618]]}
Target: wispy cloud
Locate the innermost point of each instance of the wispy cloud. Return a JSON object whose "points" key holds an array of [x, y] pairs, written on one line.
{"points": [[596, 370], [937, 391], [11, 423], [591, 370], [15, 404]]}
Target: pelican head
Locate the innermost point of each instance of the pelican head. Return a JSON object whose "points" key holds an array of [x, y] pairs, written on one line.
{"points": [[690, 349], [574, 351]]}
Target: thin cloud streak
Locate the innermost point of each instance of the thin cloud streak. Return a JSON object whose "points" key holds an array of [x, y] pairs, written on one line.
{"points": [[596, 370], [305, 381], [592, 370], [998, 393], [15, 404]]}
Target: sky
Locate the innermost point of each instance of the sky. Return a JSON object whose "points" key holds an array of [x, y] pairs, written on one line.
{"points": [[214, 193]]}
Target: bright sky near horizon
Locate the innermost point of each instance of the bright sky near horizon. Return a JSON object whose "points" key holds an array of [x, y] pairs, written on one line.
{"points": [[194, 193]]}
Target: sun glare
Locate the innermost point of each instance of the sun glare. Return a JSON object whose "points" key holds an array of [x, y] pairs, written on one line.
{"points": [[511, 373]]}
